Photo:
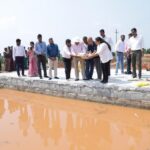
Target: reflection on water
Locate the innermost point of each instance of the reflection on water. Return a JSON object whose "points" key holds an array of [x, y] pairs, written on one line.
{"points": [[37, 122]]}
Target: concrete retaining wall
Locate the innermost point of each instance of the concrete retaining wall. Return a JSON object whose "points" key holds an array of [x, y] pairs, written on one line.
{"points": [[136, 97]]}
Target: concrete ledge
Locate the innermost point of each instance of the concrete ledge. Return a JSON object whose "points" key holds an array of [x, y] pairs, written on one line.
{"points": [[89, 91]]}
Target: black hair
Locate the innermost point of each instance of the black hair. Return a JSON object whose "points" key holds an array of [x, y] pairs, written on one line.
{"points": [[68, 41], [32, 42], [102, 30], [122, 35], [85, 37], [50, 38], [99, 39], [134, 29], [18, 40], [39, 35]]}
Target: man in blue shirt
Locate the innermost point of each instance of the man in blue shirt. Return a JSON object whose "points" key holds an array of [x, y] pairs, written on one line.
{"points": [[40, 49], [91, 47], [52, 54]]}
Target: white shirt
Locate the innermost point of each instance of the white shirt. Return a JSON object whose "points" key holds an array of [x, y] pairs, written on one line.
{"points": [[85, 47], [66, 52], [108, 40], [18, 51], [136, 43], [120, 46], [104, 53]]}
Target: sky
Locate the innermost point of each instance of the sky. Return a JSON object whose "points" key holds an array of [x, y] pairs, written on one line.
{"points": [[62, 19]]}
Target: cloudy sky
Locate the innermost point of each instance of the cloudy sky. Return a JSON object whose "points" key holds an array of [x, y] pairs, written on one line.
{"points": [[63, 19]]}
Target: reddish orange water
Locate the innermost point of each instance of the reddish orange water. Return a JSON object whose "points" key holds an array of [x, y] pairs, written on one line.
{"points": [[37, 122]]}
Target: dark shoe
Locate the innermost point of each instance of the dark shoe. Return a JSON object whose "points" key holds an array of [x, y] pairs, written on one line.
{"points": [[46, 77], [76, 79], [134, 76], [104, 82], [41, 77], [128, 72], [86, 79], [56, 78], [50, 78], [24, 75]]}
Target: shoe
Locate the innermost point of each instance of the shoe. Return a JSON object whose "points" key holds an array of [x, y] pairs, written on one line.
{"points": [[41, 77], [134, 76], [56, 78], [130, 72], [50, 78], [126, 72], [104, 82], [76, 79], [46, 77], [86, 79], [24, 75]]}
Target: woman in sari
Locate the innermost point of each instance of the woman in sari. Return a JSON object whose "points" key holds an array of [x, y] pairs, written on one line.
{"points": [[33, 69]]}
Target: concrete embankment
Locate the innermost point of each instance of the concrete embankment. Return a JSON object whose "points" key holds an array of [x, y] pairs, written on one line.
{"points": [[89, 91]]}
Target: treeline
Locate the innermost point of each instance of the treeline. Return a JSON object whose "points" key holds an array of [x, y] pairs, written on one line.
{"points": [[147, 51]]}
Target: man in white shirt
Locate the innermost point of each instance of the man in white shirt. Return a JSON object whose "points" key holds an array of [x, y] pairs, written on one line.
{"points": [[18, 57], [136, 46], [66, 54], [85, 42], [120, 49], [78, 50], [108, 40]]}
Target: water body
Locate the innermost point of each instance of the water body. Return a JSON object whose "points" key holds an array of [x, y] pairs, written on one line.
{"points": [[38, 122]]}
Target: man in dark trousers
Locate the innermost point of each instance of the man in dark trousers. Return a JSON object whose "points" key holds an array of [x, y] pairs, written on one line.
{"points": [[136, 46], [18, 57], [67, 59], [41, 51], [90, 62], [109, 41]]}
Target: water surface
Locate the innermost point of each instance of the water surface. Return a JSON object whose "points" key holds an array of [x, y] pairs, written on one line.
{"points": [[37, 122]]}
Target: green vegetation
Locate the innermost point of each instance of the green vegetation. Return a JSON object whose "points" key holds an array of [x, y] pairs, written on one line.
{"points": [[147, 51]]}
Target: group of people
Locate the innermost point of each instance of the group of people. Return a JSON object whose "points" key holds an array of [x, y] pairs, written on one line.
{"points": [[82, 54], [37, 54], [88, 53], [9, 63], [134, 50]]}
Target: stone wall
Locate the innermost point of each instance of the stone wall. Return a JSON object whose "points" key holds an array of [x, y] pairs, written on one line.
{"points": [[136, 97]]}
